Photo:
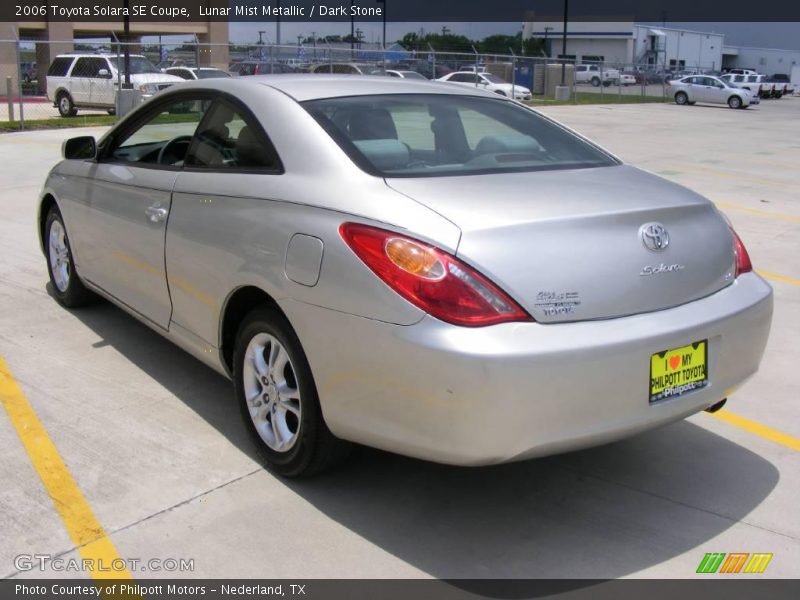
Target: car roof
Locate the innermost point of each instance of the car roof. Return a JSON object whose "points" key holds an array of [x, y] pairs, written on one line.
{"points": [[95, 55], [304, 87]]}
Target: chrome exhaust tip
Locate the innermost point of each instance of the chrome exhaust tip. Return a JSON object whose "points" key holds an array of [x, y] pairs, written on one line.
{"points": [[715, 407]]}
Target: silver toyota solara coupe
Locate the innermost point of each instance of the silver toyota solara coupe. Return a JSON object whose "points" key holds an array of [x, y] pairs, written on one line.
{"points": [[429, 269]]}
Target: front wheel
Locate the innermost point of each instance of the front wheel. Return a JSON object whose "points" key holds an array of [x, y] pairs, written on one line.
{"points": [[735, 102], [681, 98], [278, 398], [595, 81], [68, 289]]}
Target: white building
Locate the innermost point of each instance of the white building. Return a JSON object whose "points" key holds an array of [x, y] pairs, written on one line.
{"points": [[621, 43], [764, 60]]}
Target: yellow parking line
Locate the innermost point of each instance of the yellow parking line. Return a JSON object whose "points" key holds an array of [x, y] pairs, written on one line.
{"points": [[728, 175], [760, 213], [773, 435], [79, 520], [776, 277]]}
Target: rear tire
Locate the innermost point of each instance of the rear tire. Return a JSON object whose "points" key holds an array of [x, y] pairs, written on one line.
{"points": [[68, 289], [66, 107], [278, 399], [681, 99]]}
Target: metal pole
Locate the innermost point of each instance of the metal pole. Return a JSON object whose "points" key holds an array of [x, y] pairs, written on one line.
{"points": [[513, 74], [9, 98], [433, 62], [476, 66], [126, 25], [352, 30], [564, 45], [19, 88], [278, 25]]}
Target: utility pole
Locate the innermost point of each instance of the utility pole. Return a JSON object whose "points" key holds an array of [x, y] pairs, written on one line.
{"points": [[278, 26], [546, 48], [445, 30], [384, 21], [564, 45], [352, 29]]}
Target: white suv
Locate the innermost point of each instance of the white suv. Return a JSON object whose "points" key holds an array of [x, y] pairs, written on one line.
{"points": [[90, 80]]}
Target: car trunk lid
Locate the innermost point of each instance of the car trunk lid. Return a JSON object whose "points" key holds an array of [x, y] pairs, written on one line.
{"points": [[570, 245]]}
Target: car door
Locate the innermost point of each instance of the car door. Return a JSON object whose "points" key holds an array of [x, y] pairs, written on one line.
{"points": [[129, 203], [717, 91], [698, 89], [213, 212], [103, 86], [713, 92], [80, 79]]}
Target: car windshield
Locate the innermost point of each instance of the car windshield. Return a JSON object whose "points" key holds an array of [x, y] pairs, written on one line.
{"points": [[492, 78], [210, 74], [412, 75], [422, 135], [139, 65]]}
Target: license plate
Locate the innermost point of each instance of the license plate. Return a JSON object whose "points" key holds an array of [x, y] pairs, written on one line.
{"points": [[678, 371]]}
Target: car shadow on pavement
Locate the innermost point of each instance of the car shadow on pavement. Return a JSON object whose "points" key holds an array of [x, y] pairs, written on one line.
{"points": [[600, 513]]}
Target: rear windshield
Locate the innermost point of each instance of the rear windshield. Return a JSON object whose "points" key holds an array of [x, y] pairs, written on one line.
{"points": [[418, 135]]}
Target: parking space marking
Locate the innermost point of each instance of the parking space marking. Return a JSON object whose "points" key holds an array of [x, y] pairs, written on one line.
{"points": [[760, 213], [729, 175], [768, 433], [79, 519], [781, 278]]}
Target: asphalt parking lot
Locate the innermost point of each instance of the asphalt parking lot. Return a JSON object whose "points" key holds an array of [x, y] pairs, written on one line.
{"points": [[163, 469]]}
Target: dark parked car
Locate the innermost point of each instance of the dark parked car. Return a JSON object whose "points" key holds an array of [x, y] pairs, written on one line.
{"points": [[260, 68]]}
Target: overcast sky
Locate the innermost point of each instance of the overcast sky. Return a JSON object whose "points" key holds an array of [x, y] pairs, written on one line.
{"points": [[765, 35]]}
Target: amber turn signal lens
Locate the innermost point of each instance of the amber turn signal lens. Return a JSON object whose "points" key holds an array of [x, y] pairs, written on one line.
{"points": [[414, 258]]}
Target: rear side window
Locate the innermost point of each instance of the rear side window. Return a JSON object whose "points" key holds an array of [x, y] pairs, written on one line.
{"points": [[229, 139], [60, 66], [424, 135]]}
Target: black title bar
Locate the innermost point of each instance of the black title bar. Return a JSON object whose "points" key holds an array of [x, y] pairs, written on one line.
{"points": [[400, 10]]}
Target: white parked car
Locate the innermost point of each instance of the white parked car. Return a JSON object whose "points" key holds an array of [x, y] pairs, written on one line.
{"points": [[90, 80], [488, 81], [627, 79], [400, 74], [596, 75], [704, 88]]}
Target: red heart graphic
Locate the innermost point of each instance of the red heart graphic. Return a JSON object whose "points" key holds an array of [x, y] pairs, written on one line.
{"points": [[674, 361]]}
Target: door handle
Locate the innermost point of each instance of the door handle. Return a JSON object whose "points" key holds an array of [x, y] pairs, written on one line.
{"points": [[156, 214]]}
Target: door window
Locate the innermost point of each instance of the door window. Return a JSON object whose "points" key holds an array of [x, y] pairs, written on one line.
{"points": [[89, 67], [164, 136]]}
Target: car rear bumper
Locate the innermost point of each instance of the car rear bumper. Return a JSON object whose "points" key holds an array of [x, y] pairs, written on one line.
{"points": [[473, 396]]}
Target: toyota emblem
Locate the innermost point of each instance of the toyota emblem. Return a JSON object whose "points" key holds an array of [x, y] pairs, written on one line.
{"points": [[654, 236]]}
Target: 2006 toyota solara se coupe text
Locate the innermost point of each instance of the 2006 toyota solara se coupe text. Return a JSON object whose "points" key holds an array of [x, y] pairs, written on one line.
{"points": [[424, 268]]}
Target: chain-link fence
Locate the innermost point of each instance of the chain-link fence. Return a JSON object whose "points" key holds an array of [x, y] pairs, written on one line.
{"points": [[73, 80]]}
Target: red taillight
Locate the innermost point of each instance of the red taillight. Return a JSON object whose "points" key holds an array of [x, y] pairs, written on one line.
{"points": [[431, 279], [743, 264]]}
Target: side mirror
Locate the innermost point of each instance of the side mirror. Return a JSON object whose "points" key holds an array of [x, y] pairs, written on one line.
{"points": [[104, 74], [79, 148]]}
